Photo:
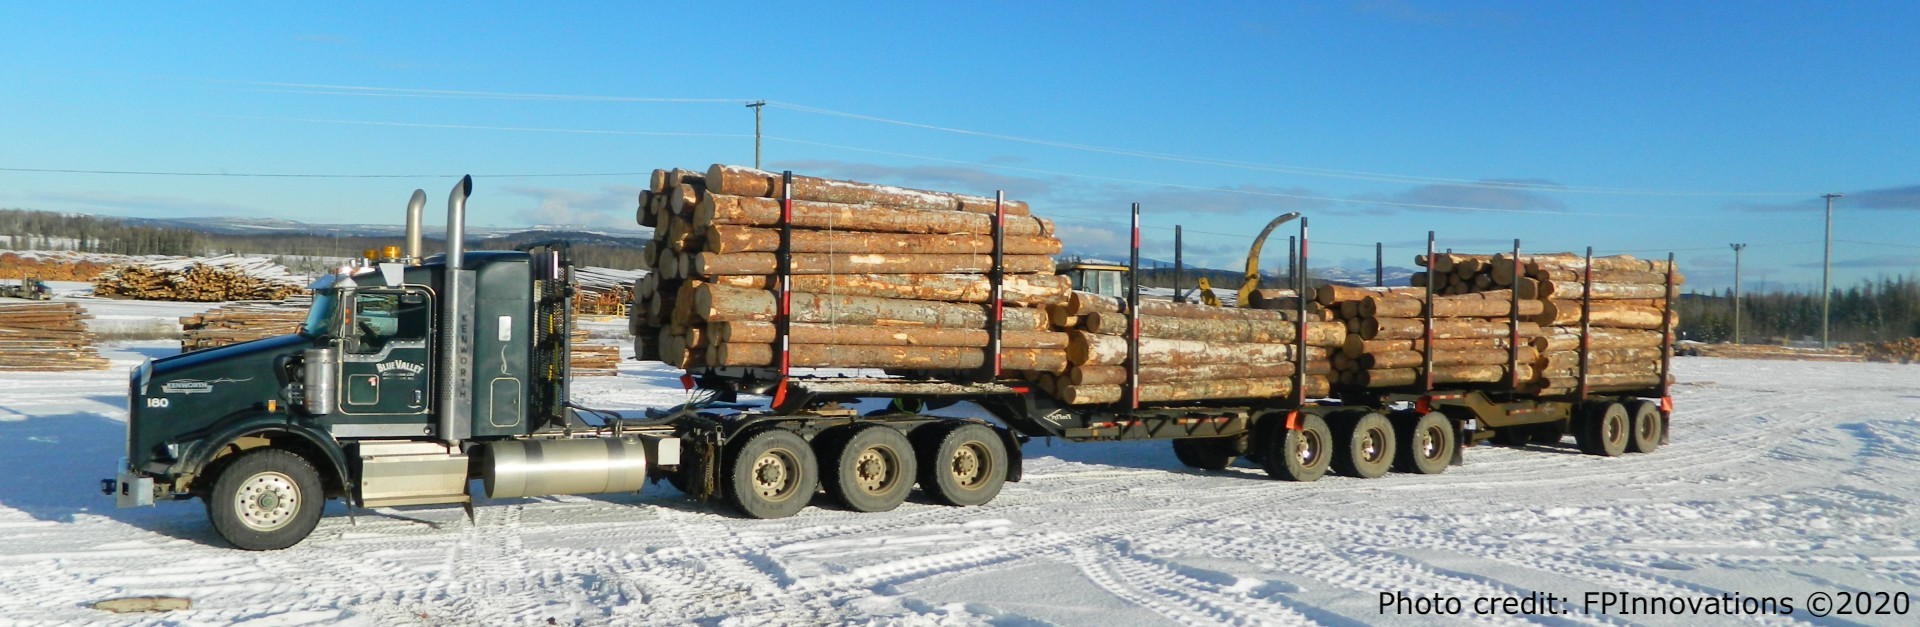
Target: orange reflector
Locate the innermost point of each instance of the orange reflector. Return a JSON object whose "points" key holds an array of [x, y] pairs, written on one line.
{"points": [[1666, 404], [1423, 405], [272, 405], [1293, 420]]}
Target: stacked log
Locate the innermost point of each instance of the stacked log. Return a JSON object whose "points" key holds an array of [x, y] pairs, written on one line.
{"points": [[882, 277], [589, 359], [603, 291], [1187, 352], [46, 336], [242, 322], [1625, 312], [1386, 342], [1901, 351], [200, 280]]}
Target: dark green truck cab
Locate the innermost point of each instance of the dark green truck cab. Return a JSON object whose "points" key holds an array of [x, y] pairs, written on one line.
{"points": [[409, 376]]}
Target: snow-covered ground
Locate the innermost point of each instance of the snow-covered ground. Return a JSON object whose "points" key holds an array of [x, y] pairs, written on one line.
{"points": [[1783, 479]]}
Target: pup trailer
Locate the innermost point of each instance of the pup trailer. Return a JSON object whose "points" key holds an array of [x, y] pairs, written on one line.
{"points": [[414, 375]]}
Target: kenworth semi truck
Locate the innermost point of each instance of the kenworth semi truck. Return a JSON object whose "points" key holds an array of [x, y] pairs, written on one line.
{"points": [[414, 375]]}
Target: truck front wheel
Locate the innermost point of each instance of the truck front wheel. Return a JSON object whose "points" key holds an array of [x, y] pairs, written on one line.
{"points": [[266, 499]]}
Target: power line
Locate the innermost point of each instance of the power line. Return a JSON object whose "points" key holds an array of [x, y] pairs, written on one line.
{"points": [[472, 127], [315, 176], [353, 90]]}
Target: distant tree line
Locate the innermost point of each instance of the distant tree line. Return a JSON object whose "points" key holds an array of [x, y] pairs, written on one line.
{"points": [[303, 252], [1871, 311]]}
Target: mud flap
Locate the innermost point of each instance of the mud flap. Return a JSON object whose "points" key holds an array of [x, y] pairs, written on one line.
{"points": [[1016, 459]]}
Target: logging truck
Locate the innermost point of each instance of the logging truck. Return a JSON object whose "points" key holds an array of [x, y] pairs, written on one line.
{"points": [[413, 375]]}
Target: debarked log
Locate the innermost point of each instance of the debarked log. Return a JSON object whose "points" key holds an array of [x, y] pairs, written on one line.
{"points": [[900, 357]]}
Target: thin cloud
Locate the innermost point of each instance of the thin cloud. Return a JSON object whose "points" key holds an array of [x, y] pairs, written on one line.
{"points": [[1438, 197], [954, 178], [112, 203], [1879, 261], [1903, 198], [609, 207]]}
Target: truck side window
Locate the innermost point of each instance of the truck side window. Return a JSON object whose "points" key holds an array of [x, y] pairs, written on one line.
{"points": [[382, 317]]}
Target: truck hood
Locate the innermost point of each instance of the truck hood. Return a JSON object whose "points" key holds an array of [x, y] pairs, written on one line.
{"points": [[166, 367]]}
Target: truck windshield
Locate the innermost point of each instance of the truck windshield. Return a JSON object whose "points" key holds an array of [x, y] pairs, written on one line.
{"points": [[321, 316]]}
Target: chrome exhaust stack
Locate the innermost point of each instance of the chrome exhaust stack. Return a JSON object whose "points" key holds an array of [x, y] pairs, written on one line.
{"points": [[416, 208], [456, 324]]}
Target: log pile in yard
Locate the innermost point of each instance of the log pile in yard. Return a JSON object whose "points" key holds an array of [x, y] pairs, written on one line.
{"points": [[604, 291], [242, 322], [882, 277], [200, 280], [1625, 311], [46, 336], [1901, 351], [587, 359], [1187, 352]]}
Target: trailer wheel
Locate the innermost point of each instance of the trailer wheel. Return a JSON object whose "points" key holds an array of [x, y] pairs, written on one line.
{"points": [[1205, 453], [1367, 445], [772, 474], [266, 499], [868, 468], [1426, 444], [961, 464], [1605, 429], [1298, 454], [1649, 427]]}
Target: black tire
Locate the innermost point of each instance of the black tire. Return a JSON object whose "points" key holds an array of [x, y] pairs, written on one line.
{"points": [[1649, 427], [1205, 453], [1549, 433], [1515, 436], [1604, 430], [266, 499], [1426, 444], [1298, 454], [771, 474], [962, 464], [869, 468], [1367, 445]]}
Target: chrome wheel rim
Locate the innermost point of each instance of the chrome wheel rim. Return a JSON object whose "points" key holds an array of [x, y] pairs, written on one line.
{"points": [[1307, 447], [1372, 445], [267, 501]]}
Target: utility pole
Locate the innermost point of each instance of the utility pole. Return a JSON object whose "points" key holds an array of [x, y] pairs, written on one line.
{"points": [[1826, 278], [1293, 256], [1379, 265], [756, 106], [1736, 290], [1179, 294]]}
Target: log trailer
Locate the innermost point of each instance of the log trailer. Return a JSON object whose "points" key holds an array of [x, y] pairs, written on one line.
{"points": [[414, 375]]}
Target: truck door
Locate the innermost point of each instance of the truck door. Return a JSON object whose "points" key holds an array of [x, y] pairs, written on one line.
{"points": [[386, 363]]}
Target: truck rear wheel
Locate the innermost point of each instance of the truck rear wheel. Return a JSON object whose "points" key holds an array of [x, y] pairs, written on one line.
{"points": [[267, 499], [868, 468], [1604, 430], [772, 474], [1649, 427], [1205, 453], [1367, 445], [1298, 454], [1426, 444], [961, 464]]}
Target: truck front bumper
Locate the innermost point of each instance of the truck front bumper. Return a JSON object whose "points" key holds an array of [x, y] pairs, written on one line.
{"points": [[128, 489]]}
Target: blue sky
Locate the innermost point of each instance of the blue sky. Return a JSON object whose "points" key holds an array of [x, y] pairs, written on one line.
{"points": [[1638, 127]]}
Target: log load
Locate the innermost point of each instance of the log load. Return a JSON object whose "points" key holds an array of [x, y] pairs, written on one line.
{"points": [[47, 336], [882, 277], [1188, 352], [200, 280], [1626, 312]]}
